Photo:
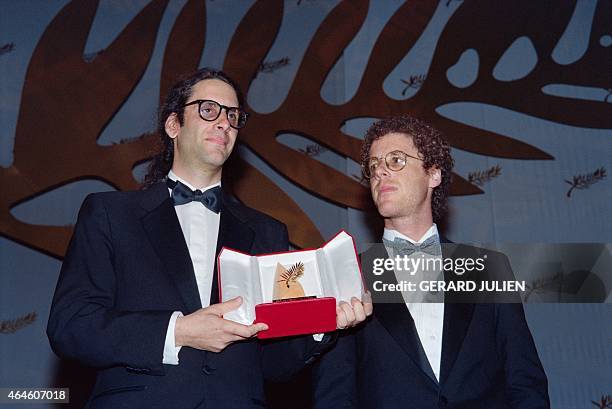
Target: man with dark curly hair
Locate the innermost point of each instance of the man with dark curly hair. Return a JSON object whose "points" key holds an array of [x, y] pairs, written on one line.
{"points": [[433, 349]]}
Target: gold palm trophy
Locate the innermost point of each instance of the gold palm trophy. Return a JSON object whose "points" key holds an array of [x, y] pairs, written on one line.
{"points": [[286, 285]]}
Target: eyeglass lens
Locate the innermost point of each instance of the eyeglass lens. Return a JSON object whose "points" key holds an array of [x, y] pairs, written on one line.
{"points": [[210, 110], [395, 161]]}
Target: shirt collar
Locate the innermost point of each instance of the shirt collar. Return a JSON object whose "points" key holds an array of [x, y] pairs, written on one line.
{"points": [[173, 176], [390, 234]]}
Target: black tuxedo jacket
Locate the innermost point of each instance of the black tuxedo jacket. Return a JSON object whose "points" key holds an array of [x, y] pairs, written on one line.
{"points": [[488, 357], [126, 270]]}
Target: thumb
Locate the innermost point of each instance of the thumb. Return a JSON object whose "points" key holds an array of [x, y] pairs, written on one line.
{"points": [[227, 306]]}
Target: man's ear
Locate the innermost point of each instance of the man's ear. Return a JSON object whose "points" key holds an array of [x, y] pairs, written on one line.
{"points": [[172, 125], [435, 177]]}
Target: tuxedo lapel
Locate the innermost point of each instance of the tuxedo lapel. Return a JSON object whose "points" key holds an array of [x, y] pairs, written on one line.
{"points": [[393, 314], [233, 229], [457, 316], [164, 232], [399, 323], [234, 233]]}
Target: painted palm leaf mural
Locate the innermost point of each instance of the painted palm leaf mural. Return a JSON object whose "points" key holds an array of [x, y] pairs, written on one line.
{"points": [[69, 98]]}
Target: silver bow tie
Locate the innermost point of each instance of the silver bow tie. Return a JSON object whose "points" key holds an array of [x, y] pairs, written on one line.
{"points": [[406, 248]]}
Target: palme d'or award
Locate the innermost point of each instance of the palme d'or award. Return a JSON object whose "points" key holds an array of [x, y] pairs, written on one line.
{"points": [[286, 282], [294, 292]]}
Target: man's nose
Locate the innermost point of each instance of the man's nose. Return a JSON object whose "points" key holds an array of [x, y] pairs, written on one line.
{"points": [[381, 170], [222, 122]]}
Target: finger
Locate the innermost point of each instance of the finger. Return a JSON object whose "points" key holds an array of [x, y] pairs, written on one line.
{"points": [[251, 330], [346, 317], [243, 331], [358, 309], [368, 306], [255, 328], [233, 330], [341, 321], [225, 307], [348, 310]]}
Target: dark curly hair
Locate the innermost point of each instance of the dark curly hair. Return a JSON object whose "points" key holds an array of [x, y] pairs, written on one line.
{"points": [[174, 103], [431, 145]]}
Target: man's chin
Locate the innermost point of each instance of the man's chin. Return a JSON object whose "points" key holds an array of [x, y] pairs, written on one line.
{"points": [[386, 210], [216, 157]]}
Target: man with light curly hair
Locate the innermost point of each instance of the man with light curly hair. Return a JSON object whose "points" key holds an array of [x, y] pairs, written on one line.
{"points": [[446, 350]]}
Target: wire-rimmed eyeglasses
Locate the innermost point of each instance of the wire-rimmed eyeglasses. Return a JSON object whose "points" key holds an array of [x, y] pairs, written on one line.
{"points": [[395, 161]]}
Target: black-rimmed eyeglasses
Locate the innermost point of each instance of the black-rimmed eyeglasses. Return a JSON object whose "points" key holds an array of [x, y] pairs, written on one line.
{"points": [[210, 110], [395, 161]]}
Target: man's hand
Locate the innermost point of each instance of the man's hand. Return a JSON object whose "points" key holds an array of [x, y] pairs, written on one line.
{"points": [[349, 315], [206, 329]]}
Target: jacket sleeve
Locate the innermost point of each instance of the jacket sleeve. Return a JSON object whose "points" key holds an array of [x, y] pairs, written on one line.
{"points": [[334, 376], [526, 382], [84, 324]]}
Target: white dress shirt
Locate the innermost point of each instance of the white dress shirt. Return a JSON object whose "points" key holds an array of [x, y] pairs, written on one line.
{"points": [[428, 317], [200, 228]]}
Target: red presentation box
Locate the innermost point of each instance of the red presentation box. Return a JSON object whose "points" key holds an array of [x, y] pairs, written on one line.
{"points": [[327, 275], [310, 316]]}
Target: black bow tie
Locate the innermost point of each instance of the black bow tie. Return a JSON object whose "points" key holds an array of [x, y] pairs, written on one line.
{"points": [[181, 194]]}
